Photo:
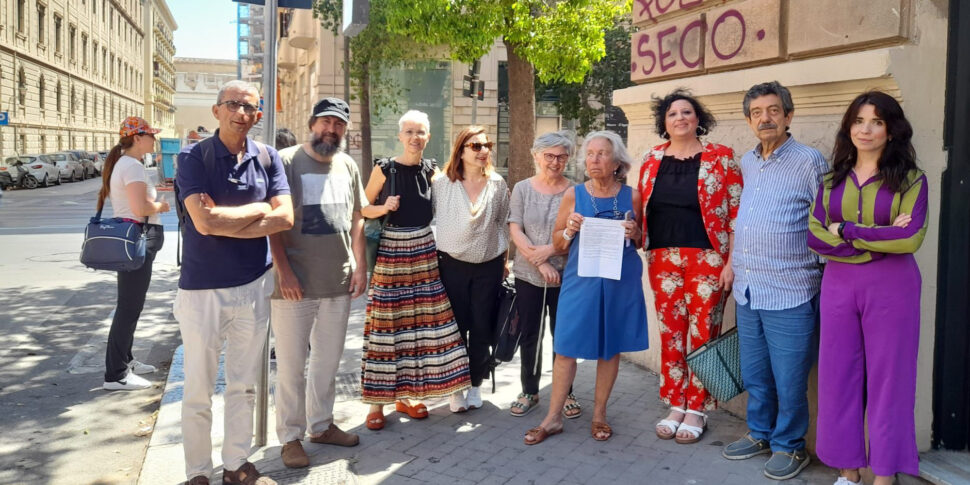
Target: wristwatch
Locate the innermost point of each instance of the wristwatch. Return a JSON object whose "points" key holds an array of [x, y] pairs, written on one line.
{"points": [[566, 236], [841, 229]]}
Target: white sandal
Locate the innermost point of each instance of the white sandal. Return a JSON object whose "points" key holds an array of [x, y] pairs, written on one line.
{"points": [[694, 431], [669, 423]]}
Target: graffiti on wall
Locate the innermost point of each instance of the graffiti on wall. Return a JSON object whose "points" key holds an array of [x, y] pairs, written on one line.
{"points": [[737, 33], [644, 10], [690, 37]]}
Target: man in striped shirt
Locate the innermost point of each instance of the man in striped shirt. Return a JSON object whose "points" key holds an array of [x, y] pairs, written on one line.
{"points": [[776, 284]]}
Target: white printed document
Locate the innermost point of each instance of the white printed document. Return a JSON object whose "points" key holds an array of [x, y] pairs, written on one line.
{"points": [[601, 248]]}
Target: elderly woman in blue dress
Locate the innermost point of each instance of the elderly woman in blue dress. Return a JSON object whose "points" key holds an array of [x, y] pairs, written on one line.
{"points": [[598, 317]]}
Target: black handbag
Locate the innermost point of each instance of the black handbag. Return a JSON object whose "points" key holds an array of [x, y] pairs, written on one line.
{"points": [[507, 330], [374, 227], [114, 244]]}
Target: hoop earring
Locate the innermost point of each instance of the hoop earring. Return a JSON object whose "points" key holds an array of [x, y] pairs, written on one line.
{"points": [[665, 135], [701, 131]]}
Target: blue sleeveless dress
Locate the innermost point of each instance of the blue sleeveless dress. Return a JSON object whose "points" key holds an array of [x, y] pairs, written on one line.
{"points": [[599, 317]]}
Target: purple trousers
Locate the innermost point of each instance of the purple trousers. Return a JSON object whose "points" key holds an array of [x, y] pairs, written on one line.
{"points": [[867, 364]]}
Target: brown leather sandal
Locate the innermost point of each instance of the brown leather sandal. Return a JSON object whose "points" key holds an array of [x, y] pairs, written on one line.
{"points": [[539, 434], [601, 427]]}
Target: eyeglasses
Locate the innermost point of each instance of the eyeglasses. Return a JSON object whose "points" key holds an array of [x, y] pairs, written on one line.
{"points": [[477, 147], [233, 106], [549, 157]]}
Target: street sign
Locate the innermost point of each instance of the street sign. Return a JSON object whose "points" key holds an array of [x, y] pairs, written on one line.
{"points": [[4, 118], [307, 4]]}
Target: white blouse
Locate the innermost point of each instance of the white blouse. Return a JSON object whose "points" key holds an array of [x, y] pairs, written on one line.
{"points": [[473, 233]]}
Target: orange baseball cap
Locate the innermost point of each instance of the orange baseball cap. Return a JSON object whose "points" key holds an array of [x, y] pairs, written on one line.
{"points": [[134, 125]]}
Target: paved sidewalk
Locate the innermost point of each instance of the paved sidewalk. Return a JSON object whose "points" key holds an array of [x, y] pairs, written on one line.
{"points": [[485, 445]]}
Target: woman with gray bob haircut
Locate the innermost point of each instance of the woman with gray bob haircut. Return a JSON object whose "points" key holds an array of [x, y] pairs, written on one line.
{"points": [[600, 317], [620, 154], [538, 265]]}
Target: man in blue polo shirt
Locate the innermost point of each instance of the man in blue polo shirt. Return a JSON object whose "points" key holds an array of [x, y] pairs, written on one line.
{"points": [[235, 193]]}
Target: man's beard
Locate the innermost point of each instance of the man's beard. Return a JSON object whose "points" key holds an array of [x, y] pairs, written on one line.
{"points": [[325, 148]]}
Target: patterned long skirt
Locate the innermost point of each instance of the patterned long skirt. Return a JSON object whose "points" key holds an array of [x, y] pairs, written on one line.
{"points": [[412, 348]]}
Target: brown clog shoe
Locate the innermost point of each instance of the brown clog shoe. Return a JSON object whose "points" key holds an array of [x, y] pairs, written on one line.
{"points": [[294, 456], [336, 436]]}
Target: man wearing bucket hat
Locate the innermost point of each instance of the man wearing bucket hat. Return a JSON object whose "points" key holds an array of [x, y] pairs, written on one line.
{"points": [[234, 193], [314, 287]]}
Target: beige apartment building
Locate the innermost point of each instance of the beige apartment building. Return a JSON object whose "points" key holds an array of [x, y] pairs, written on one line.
{"points": [[827, 52], [197, 83], [159, 55], [72, 70]]}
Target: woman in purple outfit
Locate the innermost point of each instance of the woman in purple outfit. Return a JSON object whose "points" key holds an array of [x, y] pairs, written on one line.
{"points": [[868, 219]]}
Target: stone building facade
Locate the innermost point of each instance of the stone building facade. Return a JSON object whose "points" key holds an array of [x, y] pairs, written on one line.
{"points": [[159, 56], [826, 52], [197, 83], [70, 72]]}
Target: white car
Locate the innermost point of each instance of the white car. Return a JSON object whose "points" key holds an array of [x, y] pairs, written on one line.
{"points": [[40, 167], [71, 169]]}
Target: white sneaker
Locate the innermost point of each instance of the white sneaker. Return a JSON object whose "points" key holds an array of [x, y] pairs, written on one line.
{"points": [[141, 367], [131, 382], [846, 481], [457, 402], [474, 398]]}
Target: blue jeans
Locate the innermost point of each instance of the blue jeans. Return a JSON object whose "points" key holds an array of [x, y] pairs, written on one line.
{"points": [[778, 349]]}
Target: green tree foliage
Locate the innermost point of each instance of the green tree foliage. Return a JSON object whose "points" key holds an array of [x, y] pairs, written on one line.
{"points": [[551, 40], [586, 101], [373, 51]]}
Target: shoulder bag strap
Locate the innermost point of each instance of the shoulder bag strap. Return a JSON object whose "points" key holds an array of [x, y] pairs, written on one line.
{"points": [[263, 155]]}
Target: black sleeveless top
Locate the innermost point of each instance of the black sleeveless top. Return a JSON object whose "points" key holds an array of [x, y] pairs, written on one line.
{"points": [[675, 219], [413, 184]]}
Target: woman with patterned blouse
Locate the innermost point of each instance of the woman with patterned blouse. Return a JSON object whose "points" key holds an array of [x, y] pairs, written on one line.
{"points": [[538, 266], [690, 193], [471, 204], [868, 219]]}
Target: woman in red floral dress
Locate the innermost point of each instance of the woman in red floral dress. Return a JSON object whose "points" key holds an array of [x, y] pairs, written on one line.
{"points": [[690, 193]]}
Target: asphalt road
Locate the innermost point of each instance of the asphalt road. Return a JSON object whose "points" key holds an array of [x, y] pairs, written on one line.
{"points": [[56, 423]]}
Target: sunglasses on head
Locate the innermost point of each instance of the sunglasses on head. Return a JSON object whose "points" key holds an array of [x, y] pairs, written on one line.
{"points": [[477, 147]]}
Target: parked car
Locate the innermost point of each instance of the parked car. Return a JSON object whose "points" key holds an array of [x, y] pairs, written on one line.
{"points": [[70, 167], [86, 159], [41, 167], [99, 161]]}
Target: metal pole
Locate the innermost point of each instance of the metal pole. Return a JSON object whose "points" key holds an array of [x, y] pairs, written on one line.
{"points": [[269, 137]]}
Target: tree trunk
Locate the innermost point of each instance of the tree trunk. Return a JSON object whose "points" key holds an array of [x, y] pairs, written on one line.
{"points": [[367, 160], [522, 116]]}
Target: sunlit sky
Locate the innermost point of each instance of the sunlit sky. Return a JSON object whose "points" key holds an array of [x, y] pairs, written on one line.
{"points": [[206, 28]]}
